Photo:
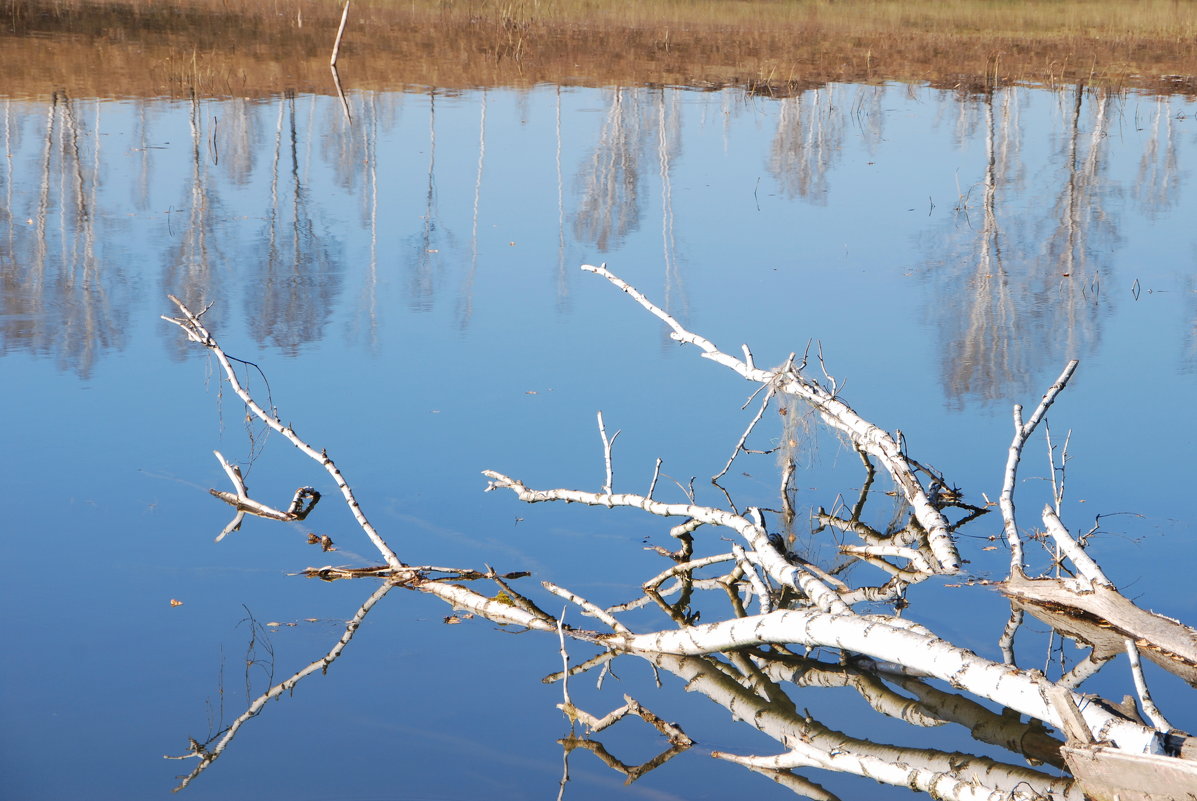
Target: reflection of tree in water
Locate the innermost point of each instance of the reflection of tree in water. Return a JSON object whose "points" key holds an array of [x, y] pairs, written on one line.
{"points": [[1025, 295], [56, 296], [351, 148], [1157, 185], [610, 206], [424, 264], [353, 155], [296, 281], [189, 272], [1082, 228], [669, 148], [809, 137], [365, 143], [238, 139], [984, 355]]}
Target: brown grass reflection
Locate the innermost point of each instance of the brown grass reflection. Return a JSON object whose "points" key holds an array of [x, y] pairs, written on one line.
{"points": [[144, 48]]}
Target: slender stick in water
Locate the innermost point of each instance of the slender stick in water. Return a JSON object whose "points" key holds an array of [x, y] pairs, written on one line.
{"points": [[340, 32]]}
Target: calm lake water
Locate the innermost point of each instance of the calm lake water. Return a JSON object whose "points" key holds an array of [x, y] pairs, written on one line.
{"points": [[407, 280]]}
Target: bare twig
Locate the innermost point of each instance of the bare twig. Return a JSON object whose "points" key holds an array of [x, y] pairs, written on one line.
{"points": [[1021, 432], [607, 443], [774, 563], [743, 437], [656, 474], [588, 608], [1152, 712], [1083, 562]]}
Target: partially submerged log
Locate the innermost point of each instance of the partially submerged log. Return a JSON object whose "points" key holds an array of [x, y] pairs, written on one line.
{"points": [[1111, 774], [1103, 618]]}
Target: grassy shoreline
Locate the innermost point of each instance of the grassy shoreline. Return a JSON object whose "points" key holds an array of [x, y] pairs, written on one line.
{"points": [[142, 48]]}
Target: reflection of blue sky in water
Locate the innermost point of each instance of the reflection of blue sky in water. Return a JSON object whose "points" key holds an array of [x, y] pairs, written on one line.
{"points": [[407, 332]]}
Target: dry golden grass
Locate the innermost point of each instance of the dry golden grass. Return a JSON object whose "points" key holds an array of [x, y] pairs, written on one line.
{"points": [[154, 48]]}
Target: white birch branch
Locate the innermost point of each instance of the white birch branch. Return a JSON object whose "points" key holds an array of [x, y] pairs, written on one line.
{"points": [[196, 332], [774, 563], [607, 443], [754, 580], [790, 728], [1084, 563], [918, 562], [1021, 432], [587, 607], [834, 412], [243, 503], [912, 647], [744, 437], [1152, 712], [686, 567]]}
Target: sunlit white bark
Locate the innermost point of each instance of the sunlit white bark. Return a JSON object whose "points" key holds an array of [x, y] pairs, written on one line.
{"points": [[914, 648], [835, 412]]}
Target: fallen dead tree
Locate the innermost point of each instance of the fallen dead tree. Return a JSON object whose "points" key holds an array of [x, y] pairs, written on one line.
{"points": [[746, 661]]}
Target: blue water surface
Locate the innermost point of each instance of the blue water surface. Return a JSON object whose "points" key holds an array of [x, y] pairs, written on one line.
{"points": [[408, 283]]}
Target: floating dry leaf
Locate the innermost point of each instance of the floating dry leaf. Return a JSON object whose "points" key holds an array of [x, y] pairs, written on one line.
{"points": [[175, 602]]}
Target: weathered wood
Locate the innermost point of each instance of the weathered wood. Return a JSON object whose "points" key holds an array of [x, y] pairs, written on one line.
{"points": [[1110, 774], [1073, 721], [1104, 617]]}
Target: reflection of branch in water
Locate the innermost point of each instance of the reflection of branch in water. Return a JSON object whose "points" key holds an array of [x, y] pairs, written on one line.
{"points": [[207, 752], [810, 743], [631, 772]]}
